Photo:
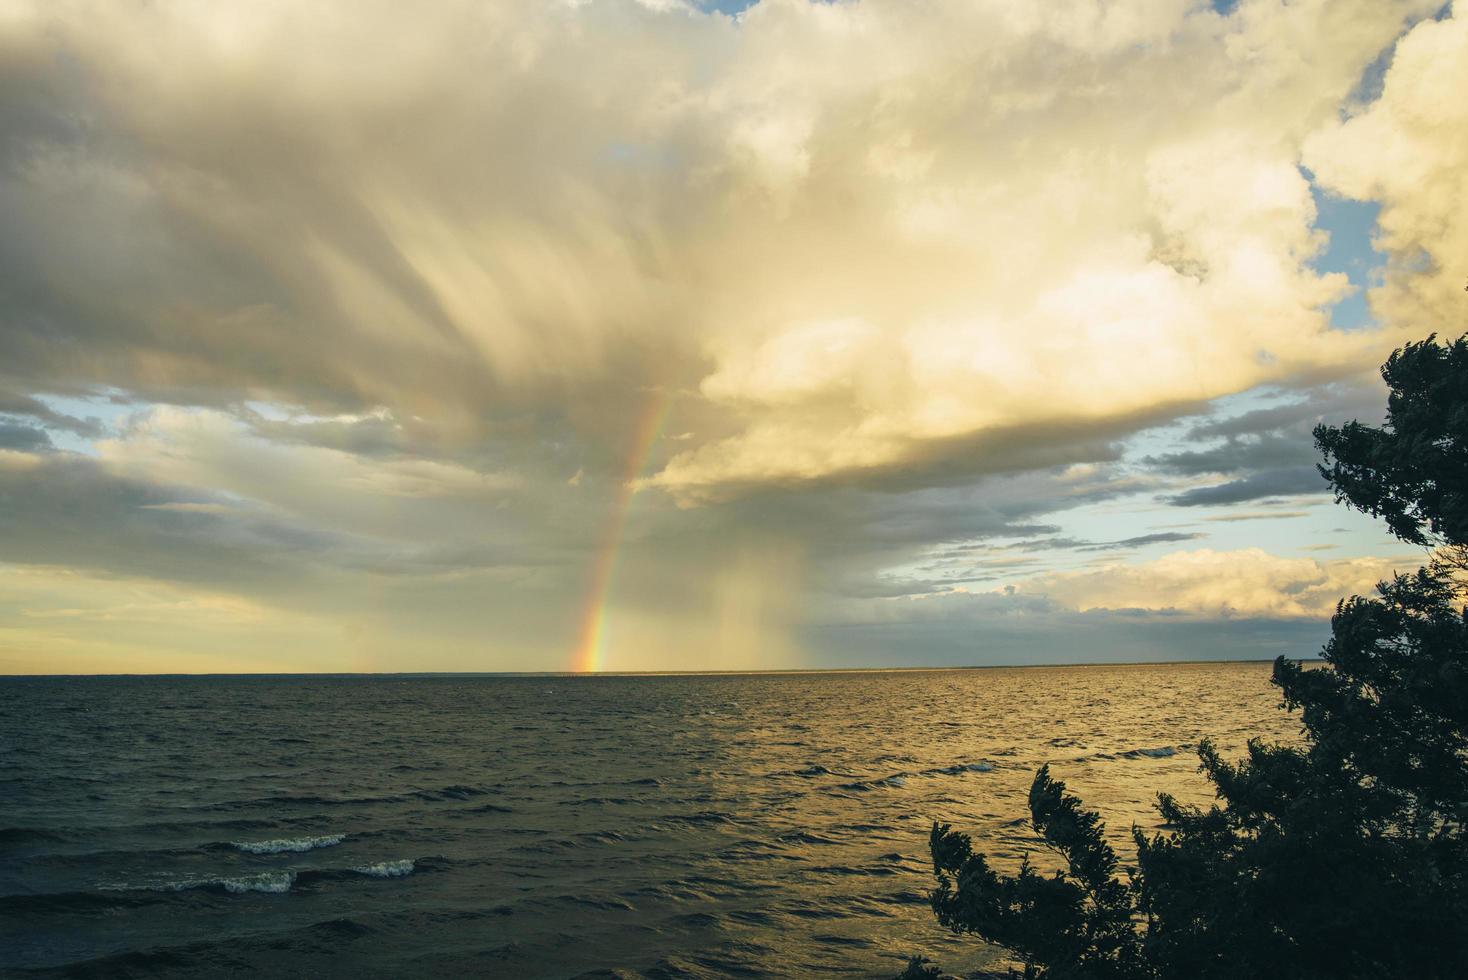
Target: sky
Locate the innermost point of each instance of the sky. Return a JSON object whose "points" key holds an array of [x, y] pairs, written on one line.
{"points": [[661, 335]]}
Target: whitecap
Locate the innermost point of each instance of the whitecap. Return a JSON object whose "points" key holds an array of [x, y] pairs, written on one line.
{"points": [[285, 845], [386, 869], [268, 882], [271, 883]]}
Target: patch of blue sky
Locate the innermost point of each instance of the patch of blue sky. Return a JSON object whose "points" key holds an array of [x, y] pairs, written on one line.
{"points": [[1351, 226], [1373, 79], [105, 407], [730, 7]]}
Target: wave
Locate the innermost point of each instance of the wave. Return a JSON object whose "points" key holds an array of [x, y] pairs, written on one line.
{"points": [[569, 843], [450, 793], [962, 768], [288, 844], [387, 869], [702, 817], [443, 793], [486, 808], [266, 882], [895, 781], [1161, 752], [269, 883], [805, 837], [109, 898]]}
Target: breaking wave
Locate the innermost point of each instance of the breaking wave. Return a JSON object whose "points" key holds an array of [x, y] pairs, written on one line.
{"points": [[387, 869], [288, 844]]}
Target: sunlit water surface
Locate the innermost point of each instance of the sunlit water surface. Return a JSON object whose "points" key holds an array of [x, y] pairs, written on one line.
{"points": [[766, 825]]}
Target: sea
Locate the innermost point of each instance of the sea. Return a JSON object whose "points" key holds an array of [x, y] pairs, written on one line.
{"points": [[674, 826]]}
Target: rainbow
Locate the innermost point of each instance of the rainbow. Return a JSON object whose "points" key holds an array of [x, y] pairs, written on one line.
{"points": [[591, 638]]}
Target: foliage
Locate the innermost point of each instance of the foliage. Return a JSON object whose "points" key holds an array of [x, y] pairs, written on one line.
{"points": [[918, 968], [1412, 472], [1344, 856], [1066, 925]]}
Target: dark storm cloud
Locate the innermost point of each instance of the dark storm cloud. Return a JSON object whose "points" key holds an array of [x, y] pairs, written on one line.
{"points": [[1142, 540], [1238, 453], [1294, 481], [12, 402], [1270, 451], [1360, 398], [26, 438]]}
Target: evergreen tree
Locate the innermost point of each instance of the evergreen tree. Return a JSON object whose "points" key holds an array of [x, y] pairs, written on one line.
{"points": [[1344, 856]]}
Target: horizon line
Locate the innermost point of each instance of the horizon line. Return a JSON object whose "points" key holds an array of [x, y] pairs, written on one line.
{"points": [[754, 672]]}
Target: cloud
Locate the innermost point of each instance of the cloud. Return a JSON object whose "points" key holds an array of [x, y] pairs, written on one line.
{"points": [[1256, 515], [1269, 451], [23, 438], [1353, 398], [12, 403], [212, 452], [853, 242], [1409, 151], [1067, 543], [1236, 454], [1249, 583], [383, 304], [1287, 482], [1159, 537]]}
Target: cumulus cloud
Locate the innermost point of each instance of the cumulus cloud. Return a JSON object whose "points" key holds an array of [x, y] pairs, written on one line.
{"points": [[1247, 583], [1409, 150], [852, 239]]}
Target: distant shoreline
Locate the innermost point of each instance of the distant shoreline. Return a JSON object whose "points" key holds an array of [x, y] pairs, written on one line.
{"points": [[578, 675]]}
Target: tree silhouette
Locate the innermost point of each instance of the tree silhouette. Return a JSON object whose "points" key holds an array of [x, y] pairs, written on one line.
{"points": [[1342, 857]]}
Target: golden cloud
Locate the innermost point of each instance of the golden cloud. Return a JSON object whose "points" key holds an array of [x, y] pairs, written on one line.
{"points": [[1248, 583]]}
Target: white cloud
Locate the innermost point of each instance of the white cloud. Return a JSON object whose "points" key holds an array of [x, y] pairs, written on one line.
{"points": [[860, 233], [1248, 583], [212, 452], [1409, 150]]}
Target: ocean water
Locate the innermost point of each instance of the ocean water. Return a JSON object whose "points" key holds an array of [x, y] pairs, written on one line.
{"points": [[657, 826]]}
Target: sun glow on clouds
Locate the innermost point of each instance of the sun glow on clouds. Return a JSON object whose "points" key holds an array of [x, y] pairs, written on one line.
{"points": [[1206, 583], [388, 293]]}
